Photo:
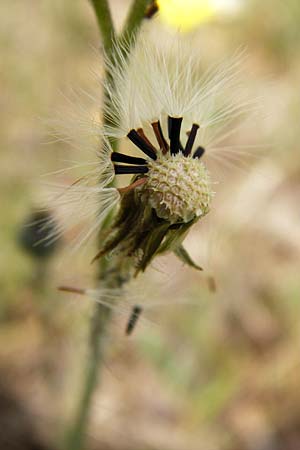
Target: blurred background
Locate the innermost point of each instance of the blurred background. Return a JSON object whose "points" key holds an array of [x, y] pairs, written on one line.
{"points": [[215, 361]]}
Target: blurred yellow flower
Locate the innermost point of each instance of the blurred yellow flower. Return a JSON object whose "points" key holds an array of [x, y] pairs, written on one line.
{"points": [[187, 14]]}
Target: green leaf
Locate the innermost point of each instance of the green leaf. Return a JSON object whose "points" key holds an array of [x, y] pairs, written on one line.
{"points": [[175, 236], [183, 255], [152, 243]]}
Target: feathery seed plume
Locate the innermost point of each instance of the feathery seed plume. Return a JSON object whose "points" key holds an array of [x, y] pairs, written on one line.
{"points": [[156, 99]]}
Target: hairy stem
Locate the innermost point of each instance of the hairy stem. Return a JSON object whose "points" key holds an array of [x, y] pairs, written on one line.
{"points": [[105, 23], [108, 270], [98, 327], [77, 434], [135, 16]]}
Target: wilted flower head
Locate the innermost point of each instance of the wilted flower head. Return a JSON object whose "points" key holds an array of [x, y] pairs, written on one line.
{"points": [[159, 99]]}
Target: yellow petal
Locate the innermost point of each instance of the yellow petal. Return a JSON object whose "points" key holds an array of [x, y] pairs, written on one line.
{"points": [[186, 14]]}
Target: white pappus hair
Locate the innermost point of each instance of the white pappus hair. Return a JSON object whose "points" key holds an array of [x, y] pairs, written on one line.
{"points": [[150, 82], [147, 83], [84, 204]]}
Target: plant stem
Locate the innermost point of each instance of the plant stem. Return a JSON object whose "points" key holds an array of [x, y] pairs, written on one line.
{"points": [[77, 434], [105, 23], [101, 318], [135, 16]]}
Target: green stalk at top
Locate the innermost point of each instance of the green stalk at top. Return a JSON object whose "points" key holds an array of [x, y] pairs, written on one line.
{"points": [[135, 16], [105, 23]]}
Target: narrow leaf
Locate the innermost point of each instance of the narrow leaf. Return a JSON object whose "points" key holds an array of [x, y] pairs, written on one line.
{"points": [[183, 255]]}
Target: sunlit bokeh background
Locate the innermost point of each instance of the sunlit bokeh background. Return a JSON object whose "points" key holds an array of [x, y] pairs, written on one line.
{"points": [[215, 361]]}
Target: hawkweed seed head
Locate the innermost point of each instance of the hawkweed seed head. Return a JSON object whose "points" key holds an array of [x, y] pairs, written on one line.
{"points": [[176, 115]]}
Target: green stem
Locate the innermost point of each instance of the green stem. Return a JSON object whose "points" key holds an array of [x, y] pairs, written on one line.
{"points": [[105, 23], [77, 434], [102, 315], [135, 16]]}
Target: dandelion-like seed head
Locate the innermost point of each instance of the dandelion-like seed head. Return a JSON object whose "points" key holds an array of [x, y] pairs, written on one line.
{"points": [[176, 114], [173, 181]]}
